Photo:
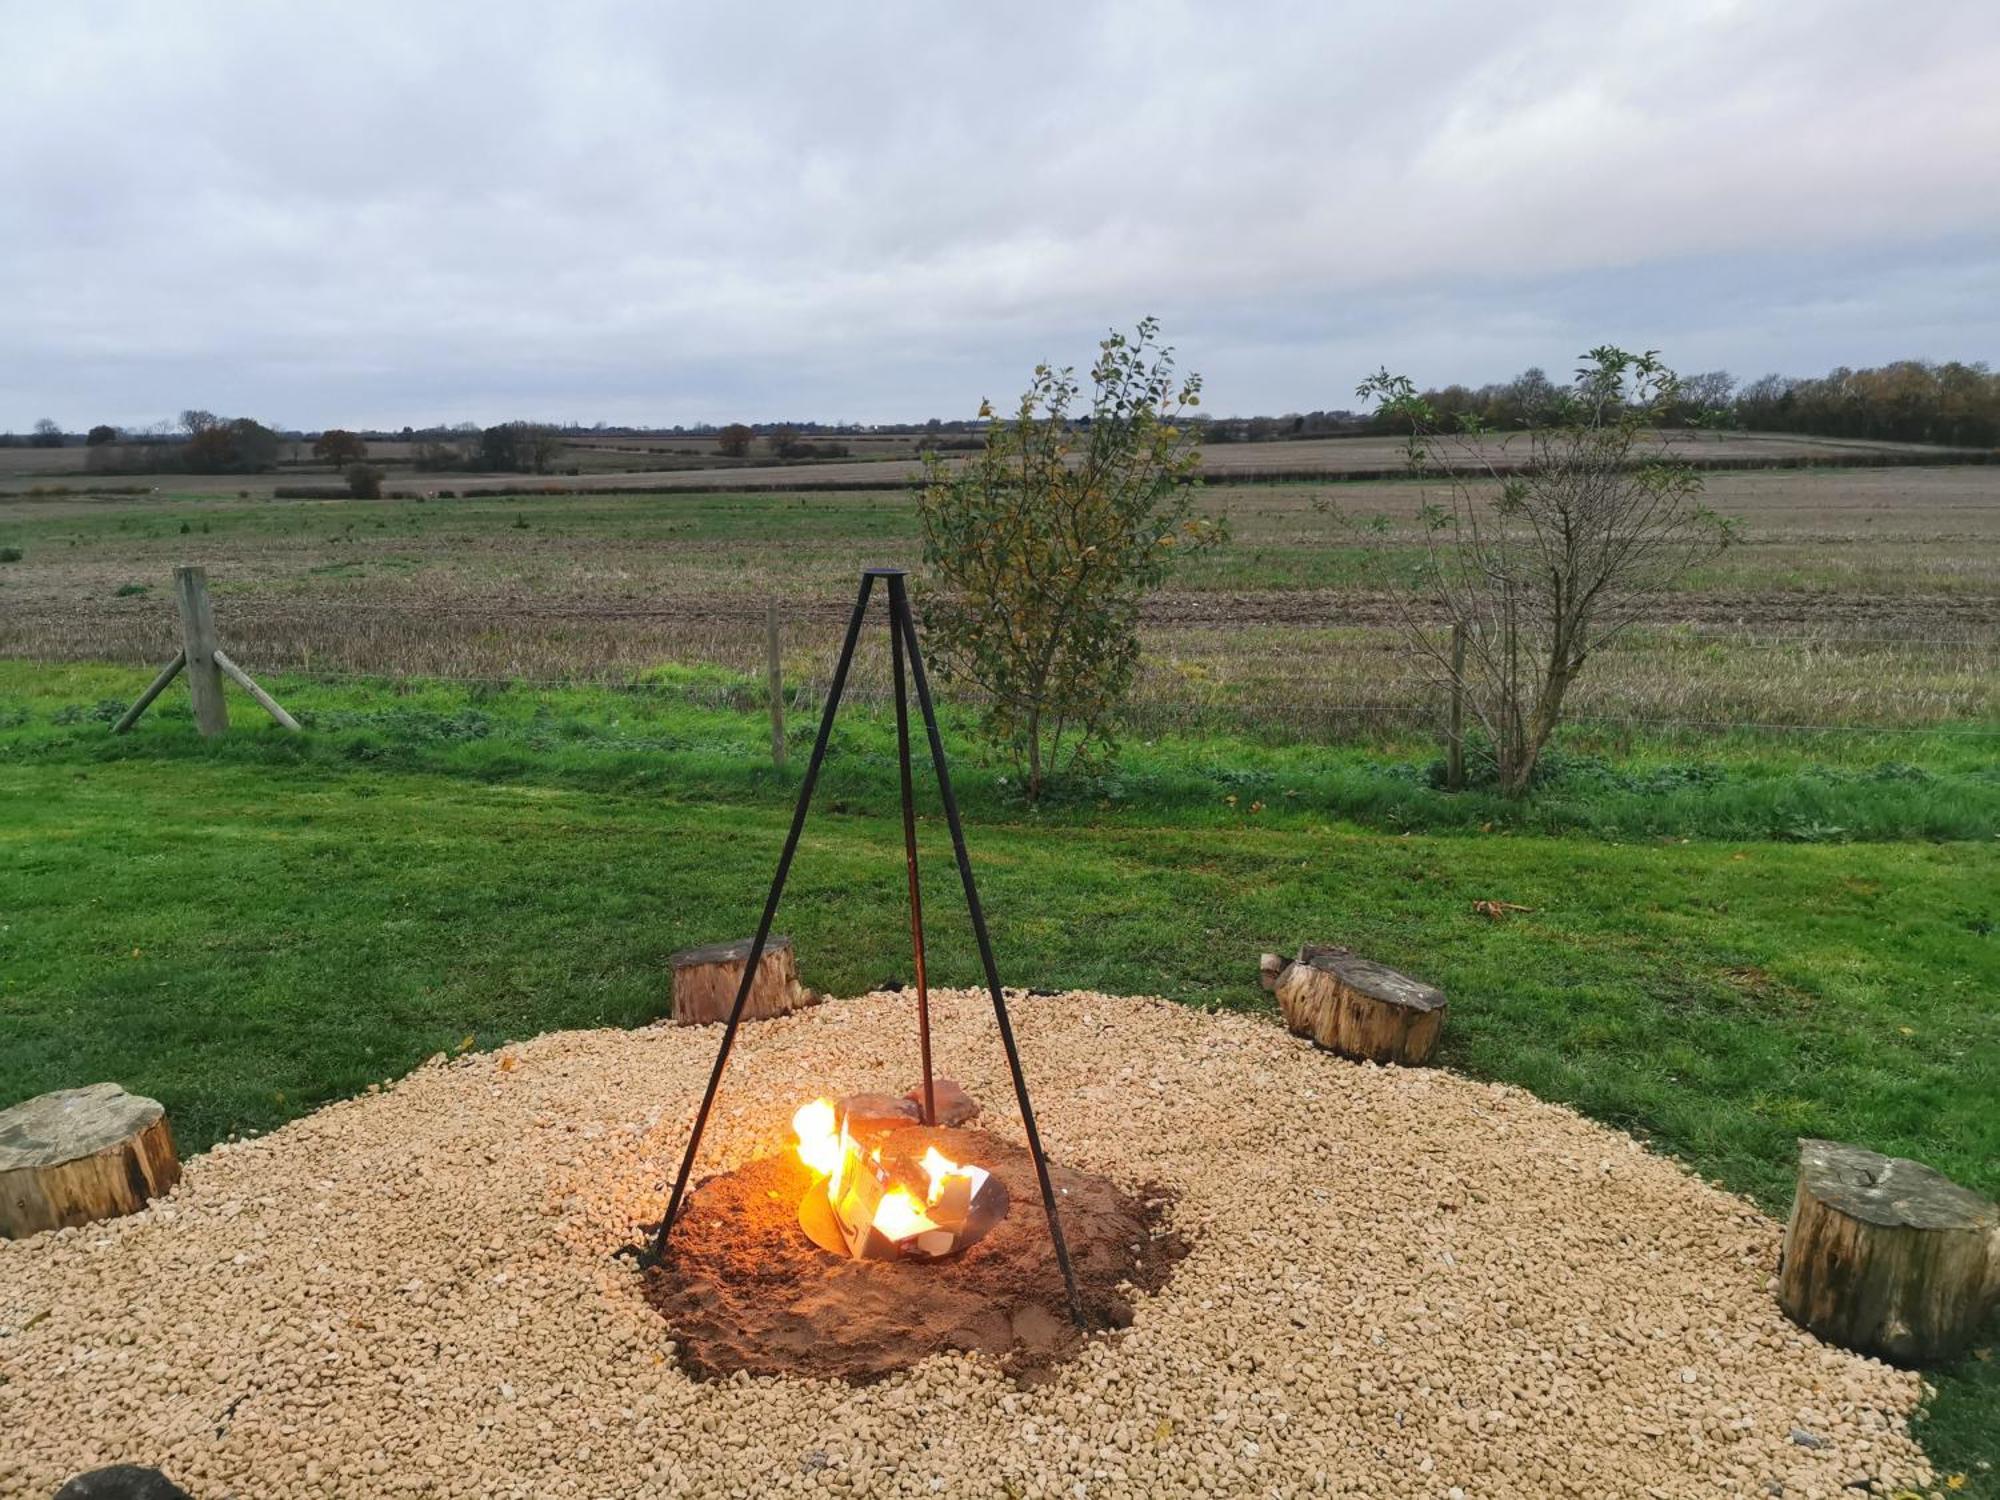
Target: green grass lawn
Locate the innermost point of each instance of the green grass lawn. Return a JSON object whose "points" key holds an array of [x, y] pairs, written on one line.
{"points": [[1723, 951]]}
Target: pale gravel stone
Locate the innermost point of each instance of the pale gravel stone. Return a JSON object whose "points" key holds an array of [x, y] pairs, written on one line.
{"points": [[1403, 1283]]}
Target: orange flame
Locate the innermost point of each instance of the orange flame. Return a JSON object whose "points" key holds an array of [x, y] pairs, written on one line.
{"points": [[941, 1169], [831, 1153], [900, 1217], [822, 1146]]}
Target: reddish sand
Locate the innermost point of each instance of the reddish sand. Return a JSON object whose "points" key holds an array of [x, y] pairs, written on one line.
{"points": [[742, 1288]]}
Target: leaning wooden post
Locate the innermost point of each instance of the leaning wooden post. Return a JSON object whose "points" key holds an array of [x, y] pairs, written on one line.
{"points": [[1454, 775], [211, 709], [158, 686], [774, 675], [265, 701]]}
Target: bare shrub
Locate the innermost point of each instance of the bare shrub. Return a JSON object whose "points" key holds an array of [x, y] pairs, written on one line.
{"points": [[1542, 566]]}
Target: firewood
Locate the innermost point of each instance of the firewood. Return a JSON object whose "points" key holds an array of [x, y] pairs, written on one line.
{"points": [[1886, 1256], [706, 980], [1360, 1008], [80, 1155]]}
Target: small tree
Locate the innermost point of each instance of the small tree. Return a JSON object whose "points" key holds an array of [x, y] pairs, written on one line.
{"points": [[339, 447], [1542, 566], [524, 447], [1041, 547], [47, 434], [734, 440], [364, 482], [241, 446], [99, 435]]}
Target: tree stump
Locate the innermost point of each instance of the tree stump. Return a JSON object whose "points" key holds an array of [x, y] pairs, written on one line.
{"points": [[1359, 1008], [706, 980], [1886, 1256], [80, 1155]]}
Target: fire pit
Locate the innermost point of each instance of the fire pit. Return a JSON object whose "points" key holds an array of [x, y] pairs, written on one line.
{"points": [[862, 1203], [884, 1202], [873, 1241], [883, 1235]]}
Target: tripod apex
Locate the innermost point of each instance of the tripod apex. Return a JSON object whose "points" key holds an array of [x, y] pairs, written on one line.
{"points": [[885, 572]]}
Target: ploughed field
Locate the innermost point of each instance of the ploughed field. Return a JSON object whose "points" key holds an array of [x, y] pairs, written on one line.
{"points": [[1863, 596]]}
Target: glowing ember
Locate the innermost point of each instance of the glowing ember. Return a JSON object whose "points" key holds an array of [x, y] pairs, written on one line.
{"points": [[854, 1205]]}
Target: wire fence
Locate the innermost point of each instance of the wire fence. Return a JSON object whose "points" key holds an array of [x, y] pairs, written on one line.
{"points": [[808, 696], [732, 639]]}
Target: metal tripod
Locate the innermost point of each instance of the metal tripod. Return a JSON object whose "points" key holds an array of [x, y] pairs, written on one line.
{"points": [[902, 643]]}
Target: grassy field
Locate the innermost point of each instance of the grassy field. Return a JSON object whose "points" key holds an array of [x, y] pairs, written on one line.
{"points": [[1761, 879]]}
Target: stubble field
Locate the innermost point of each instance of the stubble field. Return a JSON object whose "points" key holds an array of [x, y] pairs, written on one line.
{"points": [[1866, 597]]}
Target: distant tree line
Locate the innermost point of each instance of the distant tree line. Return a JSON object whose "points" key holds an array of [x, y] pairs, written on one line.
{"points": [[202, 443], [1293, 426], [1909, 401], [504, 448], [1914, 401]]}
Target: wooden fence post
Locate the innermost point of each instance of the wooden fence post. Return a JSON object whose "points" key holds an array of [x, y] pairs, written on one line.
{"points": [[1454, 771], [774, 674], [211, 710], [205, 663]]}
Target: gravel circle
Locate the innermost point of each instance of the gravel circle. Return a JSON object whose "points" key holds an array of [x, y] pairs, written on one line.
{"points": [[1400, 1283]]}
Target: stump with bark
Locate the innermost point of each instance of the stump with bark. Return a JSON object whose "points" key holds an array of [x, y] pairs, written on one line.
{"points": [[1357, 1007], [706, 980], [1886, 1256], [80, 1155]]}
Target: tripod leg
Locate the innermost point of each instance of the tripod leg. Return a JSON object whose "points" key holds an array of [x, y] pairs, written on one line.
{"points": [[770, 912], [910, 850], [899, 607]]}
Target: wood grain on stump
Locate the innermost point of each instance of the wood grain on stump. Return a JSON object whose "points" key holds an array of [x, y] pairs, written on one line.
{"points": [[706, 980], [1886, 1256], [1359, 1008], [80, 1155]]}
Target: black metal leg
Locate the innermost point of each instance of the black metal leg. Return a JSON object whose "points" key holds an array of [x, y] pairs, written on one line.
{"points": [[910, 850], [770, 913], [899, 608]]}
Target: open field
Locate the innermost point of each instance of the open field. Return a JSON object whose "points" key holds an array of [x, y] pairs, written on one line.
{"points": [[1858, 597], [890, 460]]}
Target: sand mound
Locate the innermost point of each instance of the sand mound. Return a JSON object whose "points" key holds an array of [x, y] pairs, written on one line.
{"points": [[742, 1288], [1400, 1283]]}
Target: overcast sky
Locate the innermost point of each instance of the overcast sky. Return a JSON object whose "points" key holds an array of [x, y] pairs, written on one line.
{"points": [[375, 214]]}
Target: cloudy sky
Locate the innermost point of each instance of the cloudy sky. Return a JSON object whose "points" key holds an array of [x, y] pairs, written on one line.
{"points": [[372, 214]]}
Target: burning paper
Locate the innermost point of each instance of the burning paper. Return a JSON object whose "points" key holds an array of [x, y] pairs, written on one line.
{"points": [[856, 1207]]}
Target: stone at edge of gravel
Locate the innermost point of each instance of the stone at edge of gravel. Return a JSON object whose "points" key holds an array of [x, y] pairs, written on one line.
{"points": [[122, 1482]]}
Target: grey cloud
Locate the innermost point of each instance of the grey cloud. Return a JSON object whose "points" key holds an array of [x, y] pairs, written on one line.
{"points": [[372, 213]]}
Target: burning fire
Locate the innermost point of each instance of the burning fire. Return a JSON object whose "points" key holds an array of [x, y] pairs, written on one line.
{"points": [[865, 1203]]}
